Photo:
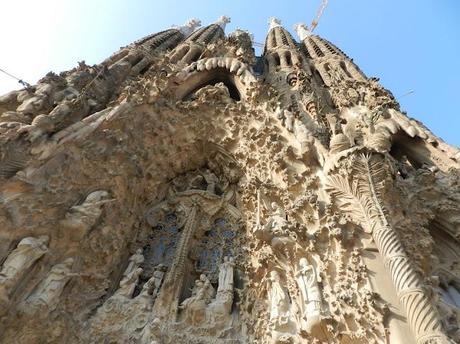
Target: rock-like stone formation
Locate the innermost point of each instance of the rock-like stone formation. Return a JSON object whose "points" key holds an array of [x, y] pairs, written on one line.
{"points": [[187, 191]]}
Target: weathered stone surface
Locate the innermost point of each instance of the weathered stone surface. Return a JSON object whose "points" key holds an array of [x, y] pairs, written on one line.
{"points": [[178, 192]]}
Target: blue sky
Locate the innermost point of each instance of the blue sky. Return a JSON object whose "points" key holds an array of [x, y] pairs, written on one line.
{"points": [[409, 44]]}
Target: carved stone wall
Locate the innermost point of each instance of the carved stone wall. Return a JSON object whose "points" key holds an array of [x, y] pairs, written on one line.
{"points": [[178, 193]]}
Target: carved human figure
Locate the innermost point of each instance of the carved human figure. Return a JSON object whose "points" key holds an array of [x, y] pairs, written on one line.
{"points": [[21, 259], [310, 293], [80, 218], [194, 306], [226, 275], [211, 180], [50, 289], [277, 228], [128, 283], [277, 223], [279, 301], [158, 275], [152, 332], [219, 309], [134, 261]]}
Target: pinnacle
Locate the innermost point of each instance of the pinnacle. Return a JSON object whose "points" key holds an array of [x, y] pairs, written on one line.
{"points": [[222, 21], [302, 31], [274, 22]]}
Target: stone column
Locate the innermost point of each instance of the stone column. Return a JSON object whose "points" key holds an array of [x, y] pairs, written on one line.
{"points": [[359, 188], [167, 302]]}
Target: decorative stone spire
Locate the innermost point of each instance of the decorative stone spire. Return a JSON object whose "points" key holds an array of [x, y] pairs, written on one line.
{"points": [[274, 22], [302, 31], [223, 21], [239, 32], [189, 26]]}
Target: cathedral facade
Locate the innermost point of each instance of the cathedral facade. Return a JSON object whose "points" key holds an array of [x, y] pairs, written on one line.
{"points": [[186, 190]]}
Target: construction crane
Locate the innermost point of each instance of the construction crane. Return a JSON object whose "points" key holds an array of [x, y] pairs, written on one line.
{"points": [[319, 13], [313, 24]]}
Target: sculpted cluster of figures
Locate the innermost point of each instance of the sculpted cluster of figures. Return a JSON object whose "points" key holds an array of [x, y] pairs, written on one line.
{"points": [[20, 262], [286, 318], [207, 305], [281, 304]]}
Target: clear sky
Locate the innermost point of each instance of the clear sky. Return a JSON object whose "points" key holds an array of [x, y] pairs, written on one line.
{"points": [[408, 44]]}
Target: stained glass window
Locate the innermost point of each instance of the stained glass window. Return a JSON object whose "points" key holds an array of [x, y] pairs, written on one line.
{"points": [[214, 246], [161, 244]]}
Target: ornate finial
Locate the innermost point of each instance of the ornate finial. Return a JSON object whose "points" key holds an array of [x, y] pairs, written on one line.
{"points": [[189, 26], [302, 31], [240, 32], [274, 22], [223, 21]]}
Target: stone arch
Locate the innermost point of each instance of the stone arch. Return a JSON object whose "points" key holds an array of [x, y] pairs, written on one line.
{"points": [[232, 72]]}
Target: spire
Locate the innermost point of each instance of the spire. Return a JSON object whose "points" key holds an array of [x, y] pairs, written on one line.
{"points": [[274, 22], [223, 21], [189, 26], [302, 31]]}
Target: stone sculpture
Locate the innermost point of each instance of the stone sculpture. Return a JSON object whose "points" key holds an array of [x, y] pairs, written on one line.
{"points": [[226, 275], [310, 292], [279, 302], [18, 262], [134, 262], [48, 292], [194, 307], [288, 188], [80, 218], [129, 282], [302, 31], [157, 278]]}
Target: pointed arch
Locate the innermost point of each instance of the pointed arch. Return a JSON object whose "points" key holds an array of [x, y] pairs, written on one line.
{"points": [[233, 73]]}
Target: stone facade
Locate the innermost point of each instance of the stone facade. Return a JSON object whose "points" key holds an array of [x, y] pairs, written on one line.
{"points": [[186, 191]]}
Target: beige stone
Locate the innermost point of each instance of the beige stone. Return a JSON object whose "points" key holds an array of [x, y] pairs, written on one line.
{"points": [[180, 192]]}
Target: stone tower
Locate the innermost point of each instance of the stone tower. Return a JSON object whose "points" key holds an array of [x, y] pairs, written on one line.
{"points": [[185, 190]]}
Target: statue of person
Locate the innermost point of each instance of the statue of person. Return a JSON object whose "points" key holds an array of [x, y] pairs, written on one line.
{"points": [[212, 181], [194, 307], [220, 308], [226, 275], [134, 261], [128, 283], [158, 275], [277, 223], [279, 301], [50, 289], [152, 332], [152, 286], [310, 293], [207, 288], [82, 217], [147, 288], [28, 251]]}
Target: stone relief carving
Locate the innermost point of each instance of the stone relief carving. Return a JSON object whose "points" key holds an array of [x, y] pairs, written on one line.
{"points": [[279, 301], [81, 218], [18, 262], [311, 294], [263, 203], [47, 293]]}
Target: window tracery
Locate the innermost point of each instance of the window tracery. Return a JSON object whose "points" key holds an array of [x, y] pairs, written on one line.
{"points": [[216, 244], [162, 244]]}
